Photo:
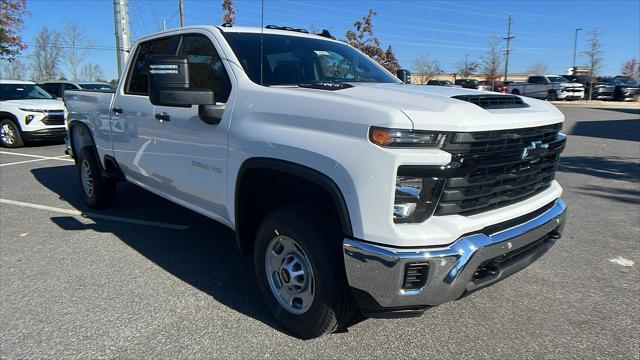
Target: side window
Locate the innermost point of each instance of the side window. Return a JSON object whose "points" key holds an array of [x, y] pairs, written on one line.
{"points": [[536, 80], [139, 72], [66, 87], [206, 70], [53, 89]]}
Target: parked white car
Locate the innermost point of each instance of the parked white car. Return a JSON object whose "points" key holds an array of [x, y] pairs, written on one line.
{"points": [[549, 87], [351, 188], [27, 112]]}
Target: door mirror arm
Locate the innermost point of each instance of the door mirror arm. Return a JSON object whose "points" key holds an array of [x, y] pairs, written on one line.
{"points": [[211, 114]]}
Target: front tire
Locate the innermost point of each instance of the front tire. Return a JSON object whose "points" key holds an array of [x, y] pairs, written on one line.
{"points": [[97, 191], [10, 134], [300, 274], [552, 96]]}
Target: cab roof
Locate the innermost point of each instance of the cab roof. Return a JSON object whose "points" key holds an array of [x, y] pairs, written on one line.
{"points": [[22, 82]]}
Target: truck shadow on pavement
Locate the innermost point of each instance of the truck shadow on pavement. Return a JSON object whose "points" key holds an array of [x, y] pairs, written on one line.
{"points": [[609, 167], [609, 129], [203, 256]]}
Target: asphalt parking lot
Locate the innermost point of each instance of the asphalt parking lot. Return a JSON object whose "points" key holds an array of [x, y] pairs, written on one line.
{"points": [[147, 278]]}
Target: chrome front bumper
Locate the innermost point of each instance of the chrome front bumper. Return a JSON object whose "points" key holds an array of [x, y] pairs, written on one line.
{"points": [[453, 270]]}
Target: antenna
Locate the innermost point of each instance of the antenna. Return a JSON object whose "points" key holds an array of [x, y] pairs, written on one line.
{"points": [[261, 40]]}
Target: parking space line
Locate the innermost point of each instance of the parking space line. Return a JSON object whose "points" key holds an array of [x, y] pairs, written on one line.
{"points": [[61, 157], [22, 162], [93, 215]]}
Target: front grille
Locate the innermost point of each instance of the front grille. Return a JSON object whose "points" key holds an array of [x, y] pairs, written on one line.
{"points": [[56, 119], [490, 170], [494, 101]]}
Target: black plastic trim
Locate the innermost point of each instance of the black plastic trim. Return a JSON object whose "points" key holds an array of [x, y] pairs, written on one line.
{"points": [[369, 307], [297, 170]]}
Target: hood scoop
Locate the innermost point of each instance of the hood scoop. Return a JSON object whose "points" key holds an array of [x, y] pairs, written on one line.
{"points": [[494, 101]]}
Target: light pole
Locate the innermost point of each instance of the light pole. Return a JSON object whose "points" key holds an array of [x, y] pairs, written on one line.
{"points": [[575, 46]]}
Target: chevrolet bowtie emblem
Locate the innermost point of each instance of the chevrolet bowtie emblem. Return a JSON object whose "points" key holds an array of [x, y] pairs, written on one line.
{"points": [[535, 150]]}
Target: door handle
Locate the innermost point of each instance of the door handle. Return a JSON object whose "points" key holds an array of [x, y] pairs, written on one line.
{"points": [[163, 116], [116, 110]]}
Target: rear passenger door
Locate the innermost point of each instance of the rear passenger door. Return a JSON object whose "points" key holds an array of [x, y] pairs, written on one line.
{"points": [[536, 87], [192, 153]]}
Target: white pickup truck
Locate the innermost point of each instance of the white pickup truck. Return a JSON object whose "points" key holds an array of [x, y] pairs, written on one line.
{"points": [[351, 189], [549, 87]]}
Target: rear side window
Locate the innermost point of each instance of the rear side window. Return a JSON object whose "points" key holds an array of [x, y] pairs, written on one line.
{"points": [[206, 70], [53, 89], [139, 73], [536, 80]]}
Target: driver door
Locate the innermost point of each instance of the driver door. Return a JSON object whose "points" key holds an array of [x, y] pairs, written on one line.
{"points": [[192, 154]]}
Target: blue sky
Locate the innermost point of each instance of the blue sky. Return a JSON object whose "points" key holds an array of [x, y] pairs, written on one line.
{"points": [[442, 30]]}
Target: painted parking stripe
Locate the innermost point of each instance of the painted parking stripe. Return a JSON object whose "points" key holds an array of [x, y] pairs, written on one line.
{"points": [[61, 158], [93, 215], [22, 162]]}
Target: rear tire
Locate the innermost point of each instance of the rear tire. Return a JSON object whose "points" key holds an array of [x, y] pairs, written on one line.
{"points": [[97, 191], [10, 134], [313, 299]]}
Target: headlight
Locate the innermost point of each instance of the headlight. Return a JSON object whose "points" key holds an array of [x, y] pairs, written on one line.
{"points": [[34, 110], [416, 198], [405, 138]]}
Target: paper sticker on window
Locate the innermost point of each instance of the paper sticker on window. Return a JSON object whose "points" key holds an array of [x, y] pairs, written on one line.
{"points": [[322, 53]]}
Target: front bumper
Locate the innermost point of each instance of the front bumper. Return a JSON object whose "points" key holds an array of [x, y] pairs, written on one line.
{"points": [[377, 273], [45, 134]]}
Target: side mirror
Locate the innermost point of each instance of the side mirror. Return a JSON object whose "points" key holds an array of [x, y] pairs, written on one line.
{"points": [[404, 75], [169, 84]]}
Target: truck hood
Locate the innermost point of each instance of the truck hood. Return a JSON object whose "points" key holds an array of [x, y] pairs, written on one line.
{"points": [[433, 108], [38, 104]]}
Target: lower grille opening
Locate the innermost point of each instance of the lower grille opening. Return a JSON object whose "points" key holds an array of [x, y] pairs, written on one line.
{"points": [[492, 267], [415, 276]]}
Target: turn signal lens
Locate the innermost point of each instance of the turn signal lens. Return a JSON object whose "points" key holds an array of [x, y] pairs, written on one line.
{"points": [[405, 138]]}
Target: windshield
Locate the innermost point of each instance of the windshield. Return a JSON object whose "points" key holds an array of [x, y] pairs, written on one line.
{"points": [[22, 92], [292, 60], [97, 87], [557, 79], [629, 82]]}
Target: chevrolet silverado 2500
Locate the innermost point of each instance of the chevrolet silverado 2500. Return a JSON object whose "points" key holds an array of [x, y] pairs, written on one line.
{"points": [[351, 189], [549, 87]]}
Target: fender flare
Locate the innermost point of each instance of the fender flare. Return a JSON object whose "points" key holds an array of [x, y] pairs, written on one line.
{"points": [[301, 171]]}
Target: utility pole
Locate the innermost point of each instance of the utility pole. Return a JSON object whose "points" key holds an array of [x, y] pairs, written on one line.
{"points": [[181, 9], [123, 39], [575, 47], [164, 24], [507, 50]]}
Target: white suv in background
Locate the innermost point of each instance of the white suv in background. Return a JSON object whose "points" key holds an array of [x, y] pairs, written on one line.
{"points": [[27, 112]]}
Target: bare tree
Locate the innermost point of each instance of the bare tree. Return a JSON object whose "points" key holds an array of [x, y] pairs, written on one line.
{"points": [[46, 55], [466, 68], [91, 72], [594, 55], [76, 46], [492, 61], [425, 69], [539, 68], [631, 68], [229, 15], [13, 69]]}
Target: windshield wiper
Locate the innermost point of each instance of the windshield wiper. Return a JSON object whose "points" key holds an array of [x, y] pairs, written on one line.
{"points": [[325, 85]]}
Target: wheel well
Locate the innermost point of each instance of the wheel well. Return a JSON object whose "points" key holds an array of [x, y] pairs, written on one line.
{"points": [[80, 137], [9, 116], [262, 189]]}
